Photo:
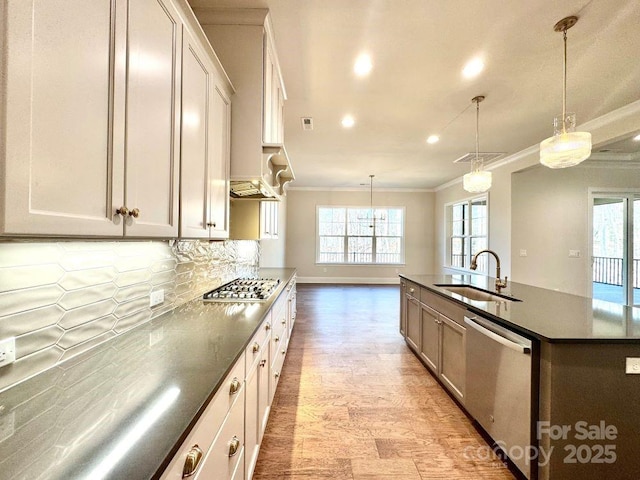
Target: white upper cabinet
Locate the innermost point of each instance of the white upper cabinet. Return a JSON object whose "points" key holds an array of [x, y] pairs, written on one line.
{"points": [[64, 83], [244, 41], [204, 192], [90, 105], [152, 152]]}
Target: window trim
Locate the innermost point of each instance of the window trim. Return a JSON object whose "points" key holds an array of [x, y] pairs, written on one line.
{"points": [[346, 237], [448, 209]]}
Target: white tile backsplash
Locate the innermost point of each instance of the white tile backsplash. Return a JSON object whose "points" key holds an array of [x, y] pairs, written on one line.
{"points": [[60, 299]]}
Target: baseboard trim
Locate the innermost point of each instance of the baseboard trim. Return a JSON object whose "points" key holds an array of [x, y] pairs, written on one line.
{"points": [[350, 280]]}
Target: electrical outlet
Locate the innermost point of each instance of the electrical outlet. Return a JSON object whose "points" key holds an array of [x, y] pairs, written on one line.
{"points": [[523, 253], [7, 351], [574, 253], [7, 425], [155, 336], [156, 298], [633, 366]]}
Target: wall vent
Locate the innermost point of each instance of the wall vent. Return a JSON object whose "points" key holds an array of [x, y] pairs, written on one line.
{"points": [[307, 123], [487, 157]]}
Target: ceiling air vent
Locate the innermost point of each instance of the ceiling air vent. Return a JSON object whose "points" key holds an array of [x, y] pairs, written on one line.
{"points": [[307, 123], [487, 157]]}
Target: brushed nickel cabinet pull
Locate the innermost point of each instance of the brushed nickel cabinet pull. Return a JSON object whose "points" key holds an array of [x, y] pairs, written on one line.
{"points": [[192, 461], [234, 445]]}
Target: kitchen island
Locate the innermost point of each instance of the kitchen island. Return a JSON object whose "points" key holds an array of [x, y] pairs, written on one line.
{"points": [[123, 409], [585, 417]]}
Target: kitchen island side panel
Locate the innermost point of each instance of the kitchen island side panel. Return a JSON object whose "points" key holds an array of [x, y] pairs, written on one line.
{"points": [[589, 414]]}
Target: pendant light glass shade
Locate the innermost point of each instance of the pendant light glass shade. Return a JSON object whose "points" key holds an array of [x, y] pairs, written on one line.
{"points": [[566, 148], [477, 180]]}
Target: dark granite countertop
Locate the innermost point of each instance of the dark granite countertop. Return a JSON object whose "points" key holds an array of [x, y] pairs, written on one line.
{"points": [[547, 315], [121, 410]]}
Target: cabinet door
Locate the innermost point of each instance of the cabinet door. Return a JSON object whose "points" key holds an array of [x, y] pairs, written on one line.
{"points": [[403, 309], [430, 347], [413, 323], [194, 157], [453, 365], [153, 118], [263, 389], [252, 419], [267, 94], [64, 83], [220, 132]]}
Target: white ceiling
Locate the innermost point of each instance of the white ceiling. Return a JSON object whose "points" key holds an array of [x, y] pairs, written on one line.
{"points": [[419, 48]]}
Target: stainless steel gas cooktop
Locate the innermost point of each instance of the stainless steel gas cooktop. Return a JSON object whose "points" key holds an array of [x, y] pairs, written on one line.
{"points": [[243, 290]]}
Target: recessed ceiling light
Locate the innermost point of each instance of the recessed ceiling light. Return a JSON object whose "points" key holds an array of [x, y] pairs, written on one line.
{"points": [[637, 138], [348, 121], [433, 139], [363, 65], [473, 68]]}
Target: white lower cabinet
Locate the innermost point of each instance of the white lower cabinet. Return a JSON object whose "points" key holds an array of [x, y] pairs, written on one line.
{"points": [[225, 442], [216, 431]]}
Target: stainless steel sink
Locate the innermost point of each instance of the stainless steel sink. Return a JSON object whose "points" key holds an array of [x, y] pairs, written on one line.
{"points": [[475, 293]]}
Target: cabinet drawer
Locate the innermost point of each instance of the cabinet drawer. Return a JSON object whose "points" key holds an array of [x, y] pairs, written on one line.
{"points": [[228, 448], [447, 307], [211, 420], [412, 289], [276, 370], [278, 343], [253, 352]]}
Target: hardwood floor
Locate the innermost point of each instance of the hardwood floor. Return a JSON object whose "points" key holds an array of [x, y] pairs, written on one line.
{"points": [[354, 403]]}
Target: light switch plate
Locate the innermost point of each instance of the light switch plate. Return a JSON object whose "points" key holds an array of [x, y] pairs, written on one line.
{"points": [[633, 366], [156, 297], [7, 351]]}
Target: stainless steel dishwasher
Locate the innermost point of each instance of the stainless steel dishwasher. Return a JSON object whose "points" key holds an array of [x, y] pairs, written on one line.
{"points": [[498, 386]]}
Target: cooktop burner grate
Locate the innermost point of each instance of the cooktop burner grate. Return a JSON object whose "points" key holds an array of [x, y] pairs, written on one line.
{"points": [[243, 290]]}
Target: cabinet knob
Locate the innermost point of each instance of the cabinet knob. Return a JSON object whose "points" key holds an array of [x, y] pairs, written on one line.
{"points": [[263, 363], [124, 211], [411, 290], [277, 339], [284, 322], [135, 213], [211, 224], [277, 374], [283, 352], [192, 461], [235, 386], [267, 326], [256, 348], [234, 446]]}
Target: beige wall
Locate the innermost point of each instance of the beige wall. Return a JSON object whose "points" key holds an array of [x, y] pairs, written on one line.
{"points": [[610, 127], [550, 216], [301, 235], [272, 251]]}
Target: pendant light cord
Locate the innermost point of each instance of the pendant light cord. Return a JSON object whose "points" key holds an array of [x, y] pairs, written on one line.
{"points": [[478, 166], [564, 84]]}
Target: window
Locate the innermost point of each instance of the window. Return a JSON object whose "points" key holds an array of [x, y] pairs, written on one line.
{"points": [[467, 232], [360, 235], [269, 219]]}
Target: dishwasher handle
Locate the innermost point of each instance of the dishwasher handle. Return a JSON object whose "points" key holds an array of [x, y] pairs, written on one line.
{"points": [[496, 337]]}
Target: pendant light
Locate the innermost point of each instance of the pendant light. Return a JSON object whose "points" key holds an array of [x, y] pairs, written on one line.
{"points": [[371, 217], [478, 180], [566, 148]]}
